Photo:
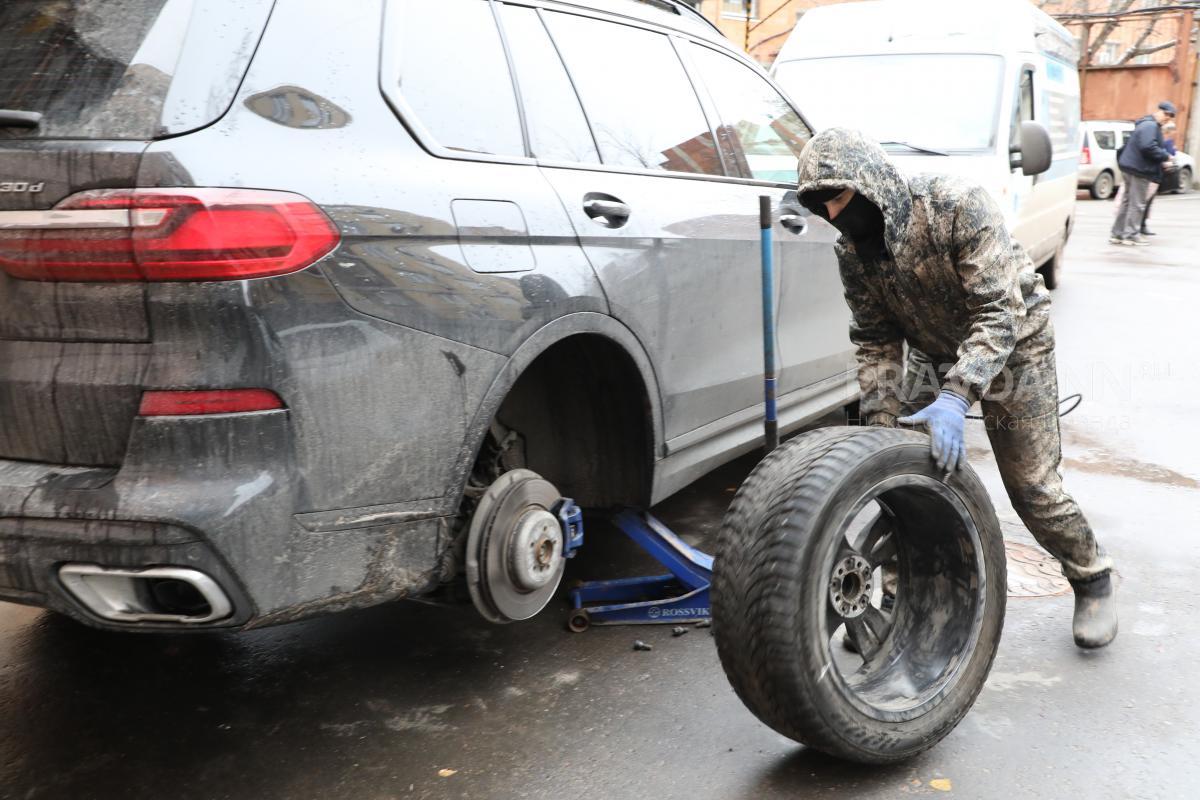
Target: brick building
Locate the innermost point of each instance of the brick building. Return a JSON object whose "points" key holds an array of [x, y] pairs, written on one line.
{"points": [[1136, 41], [766, 29]]}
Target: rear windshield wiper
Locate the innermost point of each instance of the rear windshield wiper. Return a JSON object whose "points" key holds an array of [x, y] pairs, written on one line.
{"points": [[11, 118], [917, 148]]}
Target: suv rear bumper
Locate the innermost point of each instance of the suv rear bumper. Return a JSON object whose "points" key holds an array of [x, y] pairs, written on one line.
{"points": [[215, 494]]}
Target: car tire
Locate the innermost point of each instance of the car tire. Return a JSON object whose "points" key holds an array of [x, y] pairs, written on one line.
{"points": [[1103, 186], [1185, 180], [775, 583]]}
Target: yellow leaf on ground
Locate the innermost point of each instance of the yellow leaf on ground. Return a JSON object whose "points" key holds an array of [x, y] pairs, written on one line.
{"points": [[446, 773], [941, 784]]}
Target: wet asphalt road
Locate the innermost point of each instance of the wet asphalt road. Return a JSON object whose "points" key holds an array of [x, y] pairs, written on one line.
{"points": [[376, 704]]}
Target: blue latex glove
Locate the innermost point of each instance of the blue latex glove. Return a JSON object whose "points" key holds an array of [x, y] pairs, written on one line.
{"points": [[944, 418]]}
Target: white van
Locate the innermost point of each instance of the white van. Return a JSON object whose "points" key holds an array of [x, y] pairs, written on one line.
{"points": [[945, 85]]}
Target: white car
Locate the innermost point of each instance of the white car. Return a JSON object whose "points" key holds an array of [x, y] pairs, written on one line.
{"points": [[1187, 172], [1098, 170]]}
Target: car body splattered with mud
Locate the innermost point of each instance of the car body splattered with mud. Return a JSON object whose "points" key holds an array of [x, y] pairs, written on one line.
{"points": [[287, 302]]}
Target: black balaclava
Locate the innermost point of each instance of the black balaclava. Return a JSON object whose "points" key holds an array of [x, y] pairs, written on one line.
{"points": [[861, 221]]}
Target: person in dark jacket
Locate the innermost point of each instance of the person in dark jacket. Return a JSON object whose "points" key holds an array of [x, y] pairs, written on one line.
{"points": [[927, 264], [1141, 161], [1170, 178]]}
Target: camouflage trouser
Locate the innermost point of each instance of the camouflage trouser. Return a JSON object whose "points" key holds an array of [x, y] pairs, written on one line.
{"points": [[1020, 414]]}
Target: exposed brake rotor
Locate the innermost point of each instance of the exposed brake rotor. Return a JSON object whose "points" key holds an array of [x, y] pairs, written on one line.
{"points": [[514, 555]]}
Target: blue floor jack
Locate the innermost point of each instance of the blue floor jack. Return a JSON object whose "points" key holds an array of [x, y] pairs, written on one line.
{"points": [[682, 595], [679, 596]]}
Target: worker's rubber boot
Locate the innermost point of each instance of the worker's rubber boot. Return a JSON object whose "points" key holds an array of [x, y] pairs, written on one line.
{"points": [[1095, 622]]}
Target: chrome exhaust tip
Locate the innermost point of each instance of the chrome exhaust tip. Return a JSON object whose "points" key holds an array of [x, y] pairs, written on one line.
{"points": [[155, 594]]}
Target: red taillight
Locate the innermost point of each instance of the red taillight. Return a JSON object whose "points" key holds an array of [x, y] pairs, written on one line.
{"points": [[221, 401], [165, 235], [1086, 156]]}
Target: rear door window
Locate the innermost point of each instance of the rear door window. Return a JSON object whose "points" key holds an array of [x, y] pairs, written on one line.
{"points": [[446, 61], [1105, 140], [641, 105], [764, 130], [558, 130], [133, 69]]}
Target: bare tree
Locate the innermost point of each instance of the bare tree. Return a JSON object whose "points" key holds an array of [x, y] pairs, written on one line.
{"points": [[1114, 7], [1139, 48]]}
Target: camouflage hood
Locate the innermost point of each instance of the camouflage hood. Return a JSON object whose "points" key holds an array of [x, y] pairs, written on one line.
{"points": [[840, 158]]}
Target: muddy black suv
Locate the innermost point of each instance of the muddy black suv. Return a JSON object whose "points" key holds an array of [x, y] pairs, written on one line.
{"points": [[307, 306]]}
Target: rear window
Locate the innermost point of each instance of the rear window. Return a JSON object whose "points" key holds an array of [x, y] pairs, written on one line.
{"points": [[461, 94], [1105, 140], [123, 69]]}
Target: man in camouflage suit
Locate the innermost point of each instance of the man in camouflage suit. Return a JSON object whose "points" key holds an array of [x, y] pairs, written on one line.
{"points": [[927, 262]]}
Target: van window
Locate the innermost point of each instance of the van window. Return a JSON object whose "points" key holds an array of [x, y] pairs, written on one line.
{"points": [[903, 98], [642, 108], [459, 88], [1023, 110], [137, 69], [1105, 140], [557, 127], [766, 132]]}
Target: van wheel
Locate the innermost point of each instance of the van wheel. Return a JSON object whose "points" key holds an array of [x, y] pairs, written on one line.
{"points": [[1051, 269], [800, 557], [1102, 187]]}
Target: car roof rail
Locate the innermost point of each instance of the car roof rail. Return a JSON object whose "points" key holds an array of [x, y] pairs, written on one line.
{"points": [[677, 7], [688, 7]]}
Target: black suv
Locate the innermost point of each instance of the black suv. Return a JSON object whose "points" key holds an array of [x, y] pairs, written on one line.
{"points": [[307, 306]]}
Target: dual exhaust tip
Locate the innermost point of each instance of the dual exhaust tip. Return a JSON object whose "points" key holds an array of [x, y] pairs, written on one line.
{"points": [[172, 595]]}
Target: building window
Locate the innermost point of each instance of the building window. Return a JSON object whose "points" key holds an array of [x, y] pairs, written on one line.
{"points": [[1108, 54], [737, 8]]}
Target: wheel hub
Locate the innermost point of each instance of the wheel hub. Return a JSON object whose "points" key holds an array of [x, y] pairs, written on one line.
{"points": [[535, 550], [514, 555], [850, 586]]}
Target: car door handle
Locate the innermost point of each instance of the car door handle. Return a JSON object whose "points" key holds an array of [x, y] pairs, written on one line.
{"points": [[794, 222], [608, 211]]}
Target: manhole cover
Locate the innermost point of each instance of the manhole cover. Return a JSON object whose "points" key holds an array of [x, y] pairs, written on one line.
{"points": [[1032, 572]]}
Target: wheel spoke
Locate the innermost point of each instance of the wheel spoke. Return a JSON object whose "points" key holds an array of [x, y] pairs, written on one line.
{"points": [[868, 631], [833, 621], [884, 551], [846, 548], [879, 527]]}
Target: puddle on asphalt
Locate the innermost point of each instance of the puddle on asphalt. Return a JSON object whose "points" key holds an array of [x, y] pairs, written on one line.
{"points": [[1100, 461], [1118, 466]]}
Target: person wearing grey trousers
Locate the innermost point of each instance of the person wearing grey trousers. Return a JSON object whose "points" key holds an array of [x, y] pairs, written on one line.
{"points": [[1141, 161]]}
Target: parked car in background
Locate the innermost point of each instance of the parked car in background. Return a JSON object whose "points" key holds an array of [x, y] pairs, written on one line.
{"points": [[1187, 172], [946, 86], [1098, 170], [289, 289]]}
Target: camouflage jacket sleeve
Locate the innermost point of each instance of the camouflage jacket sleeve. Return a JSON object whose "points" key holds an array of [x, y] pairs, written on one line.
{"points": [[987, 265], [880, 344]]}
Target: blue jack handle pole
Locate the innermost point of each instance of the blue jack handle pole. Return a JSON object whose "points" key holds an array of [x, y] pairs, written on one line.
{"points": [[770, 421]]}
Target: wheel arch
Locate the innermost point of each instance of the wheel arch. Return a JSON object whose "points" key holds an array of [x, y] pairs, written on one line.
{"points": [[617, 354]]}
